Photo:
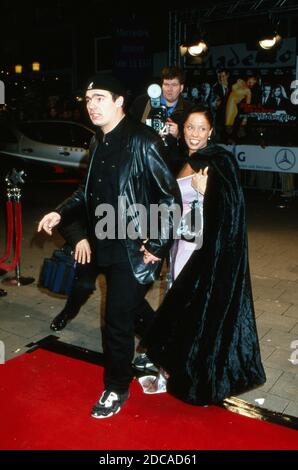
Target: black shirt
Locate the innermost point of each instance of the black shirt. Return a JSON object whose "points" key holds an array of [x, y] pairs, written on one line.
{"points": [[104, 189]]}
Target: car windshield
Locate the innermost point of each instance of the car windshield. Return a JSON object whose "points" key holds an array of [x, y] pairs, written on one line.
{"points": [[58, 133]]}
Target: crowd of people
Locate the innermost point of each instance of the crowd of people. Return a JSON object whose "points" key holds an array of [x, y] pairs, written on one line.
{"points": [[65, 109], [203, 337]]}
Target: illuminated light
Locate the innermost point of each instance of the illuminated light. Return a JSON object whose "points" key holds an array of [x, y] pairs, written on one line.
{"points": [[18, 68], [154, 91], [197, 49], [36, 66], [269, 43]]}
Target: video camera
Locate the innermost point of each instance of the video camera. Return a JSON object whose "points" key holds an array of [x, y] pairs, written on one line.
{"points": [[158, 114]]}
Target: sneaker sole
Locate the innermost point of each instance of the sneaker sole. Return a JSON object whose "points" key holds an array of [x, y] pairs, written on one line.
{"points": [[105, 416], [147, 366], [144, 367]]}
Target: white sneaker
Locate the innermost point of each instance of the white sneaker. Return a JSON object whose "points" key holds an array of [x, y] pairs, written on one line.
{"points": [[108, 404], [143, 362]]}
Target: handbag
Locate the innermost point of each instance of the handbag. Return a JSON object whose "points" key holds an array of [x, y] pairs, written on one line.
{"points": [[58, 272]]}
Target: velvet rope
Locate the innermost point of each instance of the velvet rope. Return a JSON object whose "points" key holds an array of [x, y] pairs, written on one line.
{"points": [[18, 238], [9, 213]]}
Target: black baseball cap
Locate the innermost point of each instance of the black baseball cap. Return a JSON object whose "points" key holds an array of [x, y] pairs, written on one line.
{"points": [[106, 82]]}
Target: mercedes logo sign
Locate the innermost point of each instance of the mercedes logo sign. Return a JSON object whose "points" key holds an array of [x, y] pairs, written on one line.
{"points": [[285, 159]]}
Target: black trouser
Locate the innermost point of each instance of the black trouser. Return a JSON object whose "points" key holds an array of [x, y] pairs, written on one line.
{"points": [[85, 277], [127, 313], [84, 285]]}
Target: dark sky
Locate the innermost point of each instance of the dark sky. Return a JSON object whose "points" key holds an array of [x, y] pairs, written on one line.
{"points": [[60, 34], [47, 29]]}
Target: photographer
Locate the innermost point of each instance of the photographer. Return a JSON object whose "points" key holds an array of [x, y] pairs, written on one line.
{"points": [[174, 105]]}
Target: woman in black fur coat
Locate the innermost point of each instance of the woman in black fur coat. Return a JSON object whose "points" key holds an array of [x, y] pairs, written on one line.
{"points": [[205, 335]]}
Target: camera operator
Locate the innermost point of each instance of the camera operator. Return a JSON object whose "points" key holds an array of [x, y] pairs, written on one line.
{"points": [[173, 109]]}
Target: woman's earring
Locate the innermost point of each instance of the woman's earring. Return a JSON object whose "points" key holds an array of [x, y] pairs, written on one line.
{"points": [[209, 138]]}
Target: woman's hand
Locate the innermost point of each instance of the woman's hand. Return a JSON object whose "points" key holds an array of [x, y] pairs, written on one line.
{"points": [[199, 181], [82, 252], [48, 222]]}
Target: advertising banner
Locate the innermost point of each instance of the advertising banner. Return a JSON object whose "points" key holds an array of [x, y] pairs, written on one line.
{"points": [[243, 55], [277, 159], [252, 97]]}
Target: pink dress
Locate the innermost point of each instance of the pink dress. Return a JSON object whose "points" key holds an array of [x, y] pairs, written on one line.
{"points": [[182, 250]]}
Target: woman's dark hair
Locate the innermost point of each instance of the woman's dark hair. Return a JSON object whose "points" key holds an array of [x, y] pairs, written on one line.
{"points": [[200, 109], [196, 109]]}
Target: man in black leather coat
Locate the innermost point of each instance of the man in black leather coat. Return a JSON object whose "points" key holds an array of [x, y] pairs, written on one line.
{"points": [[126, 169]]}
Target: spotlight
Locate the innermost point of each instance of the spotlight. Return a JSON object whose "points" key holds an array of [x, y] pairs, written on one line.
{"points": [[195, 41], [269, 37], [198, 48], [268, 42]]}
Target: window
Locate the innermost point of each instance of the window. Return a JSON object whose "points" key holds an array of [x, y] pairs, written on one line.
{"points": [[80, 136]]}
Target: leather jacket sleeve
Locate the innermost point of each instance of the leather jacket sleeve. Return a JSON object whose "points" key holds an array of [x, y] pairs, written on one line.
{"points": [[73, 207], [167, 196], [73, 232]]}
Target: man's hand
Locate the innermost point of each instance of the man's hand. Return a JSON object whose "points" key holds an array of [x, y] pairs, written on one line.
{"points": [[82, 252], [48, 222], [148, 257], [173, 128]]}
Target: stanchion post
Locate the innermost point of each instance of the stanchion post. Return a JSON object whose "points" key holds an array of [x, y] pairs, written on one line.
{"points": [[17, 280], [14, 179]]}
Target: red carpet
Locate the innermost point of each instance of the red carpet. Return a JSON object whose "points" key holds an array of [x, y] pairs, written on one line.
{"points": [[45, 400]]}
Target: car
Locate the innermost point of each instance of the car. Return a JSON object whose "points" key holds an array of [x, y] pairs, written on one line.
{"points": [[50, 142]]}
